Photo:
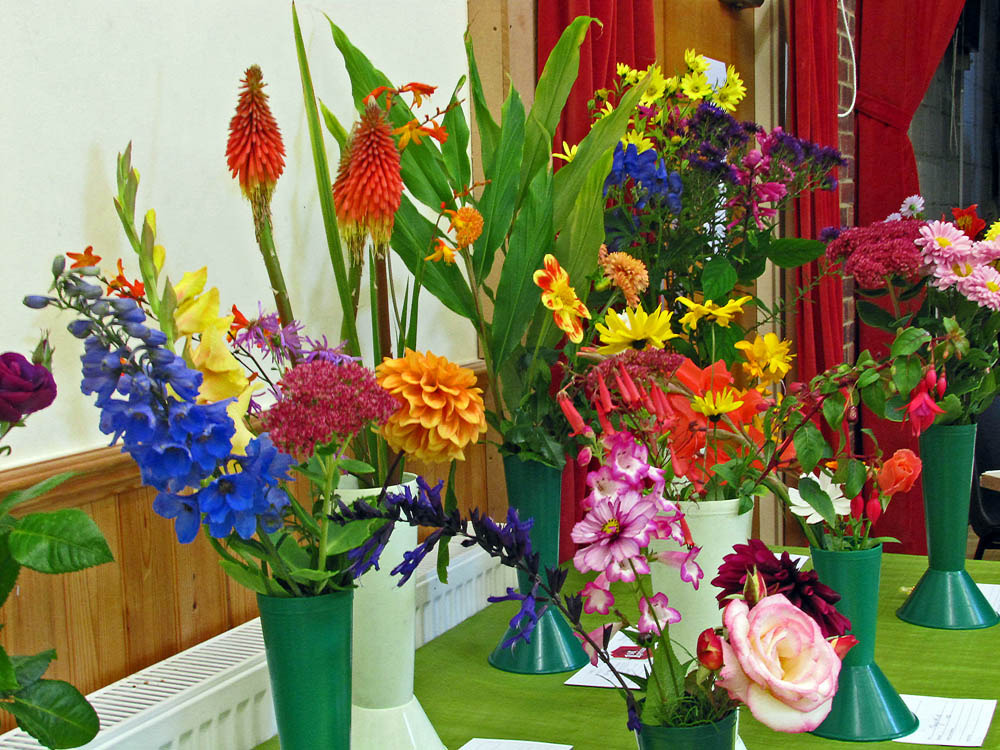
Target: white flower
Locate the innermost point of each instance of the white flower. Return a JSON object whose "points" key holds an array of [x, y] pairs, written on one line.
{"points": [[912, 206], [892, 217], [841, 505]]}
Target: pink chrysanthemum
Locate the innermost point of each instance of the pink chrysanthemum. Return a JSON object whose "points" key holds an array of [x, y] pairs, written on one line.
{"points": [[878, 252], [944, 243], [982, 286], [612, 533], [323, 401]]}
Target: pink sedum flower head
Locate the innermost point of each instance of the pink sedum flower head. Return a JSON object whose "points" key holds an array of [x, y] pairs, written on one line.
{"points": [[654, 613], [612, 533], [777, 662]]}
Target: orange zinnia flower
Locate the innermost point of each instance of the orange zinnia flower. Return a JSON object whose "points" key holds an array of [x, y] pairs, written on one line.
{"points": [[467, 223], [368, 188], [625, 272], [255, 153], [561, 299], [442, 409]]}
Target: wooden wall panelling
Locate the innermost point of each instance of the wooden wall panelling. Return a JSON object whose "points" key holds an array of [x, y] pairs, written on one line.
{"points": [[202, 593]]}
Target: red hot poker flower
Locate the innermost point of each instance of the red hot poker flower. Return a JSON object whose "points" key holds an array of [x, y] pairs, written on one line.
{"points": [[255, 152], [368, 188]]}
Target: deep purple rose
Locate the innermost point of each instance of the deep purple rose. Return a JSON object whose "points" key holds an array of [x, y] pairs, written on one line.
{"points": [[24, 387]]}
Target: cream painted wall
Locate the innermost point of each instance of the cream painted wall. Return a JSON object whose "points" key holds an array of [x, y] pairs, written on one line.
{"points": [[82, 79]]}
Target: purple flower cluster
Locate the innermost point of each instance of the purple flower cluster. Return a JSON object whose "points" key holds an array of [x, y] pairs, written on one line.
{"points": [[647, 176]]}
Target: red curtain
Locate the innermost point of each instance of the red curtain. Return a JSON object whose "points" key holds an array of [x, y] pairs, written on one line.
{"points": [[812, 114], [900, 44], [627, 36]]}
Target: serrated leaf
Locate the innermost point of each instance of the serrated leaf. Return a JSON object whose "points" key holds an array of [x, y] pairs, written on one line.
{"points": [[718, 277], [55, 713], [809, 446], [812, 493], [61, 541]]}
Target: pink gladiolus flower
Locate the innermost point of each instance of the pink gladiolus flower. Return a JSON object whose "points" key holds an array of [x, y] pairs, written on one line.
{"points": [[601, 636], [655, 610], [921, 411], [777, 663], [627, 571], [614, 531]]}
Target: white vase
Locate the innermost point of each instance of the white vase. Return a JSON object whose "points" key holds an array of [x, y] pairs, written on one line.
{"points": [[384, 711], [715, 527]]}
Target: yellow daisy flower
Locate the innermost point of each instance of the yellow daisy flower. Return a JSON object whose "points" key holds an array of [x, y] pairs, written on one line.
{"points": [[656, 84], [568, 154], [696, 63], [732, 92], [768, 359], [642, 143], [716, 403], [994, 231], [638, 330], [723, 315], [629, 75], [695, 86]]}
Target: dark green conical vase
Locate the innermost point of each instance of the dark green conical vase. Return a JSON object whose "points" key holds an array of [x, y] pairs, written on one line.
{"points": [[946, 596], [867, 707], [720, 735], [535, 490], [308, 645]]}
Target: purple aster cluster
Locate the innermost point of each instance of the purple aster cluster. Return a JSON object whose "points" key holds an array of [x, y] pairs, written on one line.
{"points": [[147, 399], [875, 254]]}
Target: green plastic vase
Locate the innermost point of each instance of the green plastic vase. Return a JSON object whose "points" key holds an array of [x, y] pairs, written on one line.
{"points": [[720, 735], [535, 490], [867, 707], [308, 645], [946, 596]]}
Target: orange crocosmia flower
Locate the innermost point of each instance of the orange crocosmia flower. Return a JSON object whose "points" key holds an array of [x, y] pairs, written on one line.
{"points": [[411, 131], [419, 91], [124, 288], [368, 188], [239, 323], [84, 259], [435, 131], [377, 92], [559, 297], [441, 410], [968, 221], [467, 223], [442, 251], [255, 153]]}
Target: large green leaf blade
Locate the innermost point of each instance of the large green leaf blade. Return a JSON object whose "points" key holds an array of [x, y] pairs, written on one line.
{"points": [[61, 541], [36, 490], [455, 150], [8, 673], [792, 252], [489, 131], [9, 569], [517, 296], [55, 713], [551, 93], [500, 194]]}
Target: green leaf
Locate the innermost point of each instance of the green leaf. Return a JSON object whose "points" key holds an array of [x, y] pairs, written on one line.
{"points": [[30, 493], [873, 315], [443, 558], [517, 296], [554, 84], [908, 342], [867, 377], [8, 676], [58, 542], [292, 554], [354, 466], [856, 476], [792, 252], [455, 150], [809, 446], [55, 713], [812, 493], [718, 278], [906, 374], [9, 569], [874, 397], [500, 194], [29, 669], [350, 535], [251, 579], [833, 410], [308, 575], [333, 126]]}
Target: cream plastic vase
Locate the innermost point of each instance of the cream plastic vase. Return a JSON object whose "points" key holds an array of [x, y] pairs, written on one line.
{"points": [[384, 711], [715, 527]]}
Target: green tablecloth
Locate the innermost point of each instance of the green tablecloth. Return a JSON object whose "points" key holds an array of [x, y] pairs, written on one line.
{"points": [[465, 697]]}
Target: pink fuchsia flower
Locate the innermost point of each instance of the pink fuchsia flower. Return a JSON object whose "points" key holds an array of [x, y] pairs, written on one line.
{"points": [[921, 410], [613, 532], [684, 561], [944, 243], [597, 598], [654, 612], [777, 662], [709, 649]]}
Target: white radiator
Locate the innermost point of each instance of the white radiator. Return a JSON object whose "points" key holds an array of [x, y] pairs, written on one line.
{"points": [[216, 695]]}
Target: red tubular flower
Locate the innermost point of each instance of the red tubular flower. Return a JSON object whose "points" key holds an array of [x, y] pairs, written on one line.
{"points": [[968, 221], [873, 508], [571, 414], [603, 393], [368, 188], [921, 411], [710, 649], [255, 152]]}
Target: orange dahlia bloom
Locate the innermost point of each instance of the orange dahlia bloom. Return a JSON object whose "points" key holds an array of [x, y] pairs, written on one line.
{"points": [[625, 272], [561, 299], [255, 153], [442, 410], [368, 188]]}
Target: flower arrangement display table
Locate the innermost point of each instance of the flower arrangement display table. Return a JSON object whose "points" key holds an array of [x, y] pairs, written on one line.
{"points": [[464, 697]]}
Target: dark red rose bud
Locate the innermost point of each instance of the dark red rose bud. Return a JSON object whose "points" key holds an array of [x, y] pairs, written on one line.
{"points": [[24, 387], [710, 649]]}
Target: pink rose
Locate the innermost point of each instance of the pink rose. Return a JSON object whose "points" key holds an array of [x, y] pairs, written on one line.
{"points": [[777, 662]]}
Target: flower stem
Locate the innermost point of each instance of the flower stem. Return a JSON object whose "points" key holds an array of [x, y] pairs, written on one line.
{"points": [[265, 241]]}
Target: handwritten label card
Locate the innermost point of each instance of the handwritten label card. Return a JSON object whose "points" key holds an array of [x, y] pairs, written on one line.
{"points": [[625, 655], [481, 744], [952, 722]]}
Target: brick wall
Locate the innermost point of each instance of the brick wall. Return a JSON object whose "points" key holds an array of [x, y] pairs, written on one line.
{"points": [[845, 79]]}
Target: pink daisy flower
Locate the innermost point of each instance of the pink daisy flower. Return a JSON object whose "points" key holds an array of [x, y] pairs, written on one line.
{"points": [[612, 533], [657, 605], [982, 286], [944, 243], [913, 206]]}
